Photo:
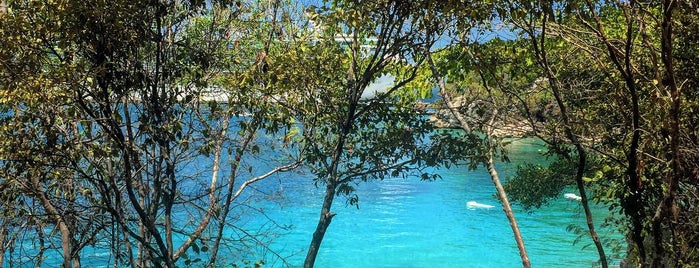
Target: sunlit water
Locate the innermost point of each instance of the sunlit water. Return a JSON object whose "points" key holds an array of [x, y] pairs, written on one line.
{"points": [[412, 223]]}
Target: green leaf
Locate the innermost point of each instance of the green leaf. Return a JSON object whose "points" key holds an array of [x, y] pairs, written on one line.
{"points": [[195, 247]]}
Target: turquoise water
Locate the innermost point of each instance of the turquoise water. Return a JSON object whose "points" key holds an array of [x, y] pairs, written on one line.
{"points": [[405, 223], [411, 223]]}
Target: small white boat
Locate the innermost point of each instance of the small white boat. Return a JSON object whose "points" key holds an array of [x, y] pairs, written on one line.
{"points": [[572, 196], [475, 205]]}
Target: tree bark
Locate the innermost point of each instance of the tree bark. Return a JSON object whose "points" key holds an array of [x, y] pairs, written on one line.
{"points": [[354, 93], [3, 237], [556, 88], [632, 204], [490, 163], [331, 184], [215, 167], [665, 210], [66, 234], [323, 223], [230, 183], [507, 208]]}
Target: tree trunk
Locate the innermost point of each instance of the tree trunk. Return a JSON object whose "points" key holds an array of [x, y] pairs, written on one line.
{"points": [[507, 209], [235, 164], [331, 185], [326, 216], [204, 223], [76, 261], [582, 159], [3, 244], [490, 163], [53, 213], [667, 209], [323, 223], [556, 88], [632, 204], [39, 228]]}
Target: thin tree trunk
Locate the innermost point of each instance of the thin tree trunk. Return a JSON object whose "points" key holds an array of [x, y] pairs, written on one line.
{"points": [[666, 210], [330, 189], [582, 159], [42, 245], [632, 204], [66, 235], [212, 193], [3, 236], [331, 185], [149, 226], [542, 60], [490, 164], [580, 172], [354, 94], [323, 223], [235, 164], [76, 261], [507, 208], [169, 198]]}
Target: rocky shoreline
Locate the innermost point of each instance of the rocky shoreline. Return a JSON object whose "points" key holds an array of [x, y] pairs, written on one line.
{"points": [[443, 118]]}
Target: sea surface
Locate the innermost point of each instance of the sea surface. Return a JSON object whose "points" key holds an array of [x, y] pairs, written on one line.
{"points": [[406, 223], [412, 223]]}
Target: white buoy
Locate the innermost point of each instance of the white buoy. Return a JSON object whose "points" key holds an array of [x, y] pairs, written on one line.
{"points": [[572, 196], [475, 205]]}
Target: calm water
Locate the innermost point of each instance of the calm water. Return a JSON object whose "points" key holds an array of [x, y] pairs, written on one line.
{"points": [[409, 223]]}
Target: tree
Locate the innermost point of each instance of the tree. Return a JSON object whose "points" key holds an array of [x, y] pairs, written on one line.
{"points": [[476, 114], [105, 110], [610, 67], [536, 32], [350, 138], [38, 135], [644, 200]]}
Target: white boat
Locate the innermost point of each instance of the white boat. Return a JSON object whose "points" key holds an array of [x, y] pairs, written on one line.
{"points": [[475, 205], [572, 196]]}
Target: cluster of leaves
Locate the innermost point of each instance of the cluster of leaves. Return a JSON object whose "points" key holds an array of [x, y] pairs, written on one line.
{"points": [[534, 185], [107, 110], [613, 66], [105, 113]]}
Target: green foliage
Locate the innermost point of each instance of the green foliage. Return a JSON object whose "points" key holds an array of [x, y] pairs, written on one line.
{"points": [[104, 104], [248, 264], [388, 135], [104, 108], [616, 247], [611, 66], [534, 185]]}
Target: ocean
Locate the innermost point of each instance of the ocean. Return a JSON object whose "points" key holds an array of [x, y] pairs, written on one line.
{"points": [[413, 223], [401, 223]]}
